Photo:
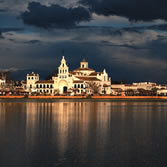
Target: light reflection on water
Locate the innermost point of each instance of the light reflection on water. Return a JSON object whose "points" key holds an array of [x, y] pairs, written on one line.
{"points": [[46, 134]]}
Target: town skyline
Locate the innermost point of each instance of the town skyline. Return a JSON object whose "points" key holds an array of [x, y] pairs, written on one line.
{"points": [[82, 81], [128, 39], [19, 74]]}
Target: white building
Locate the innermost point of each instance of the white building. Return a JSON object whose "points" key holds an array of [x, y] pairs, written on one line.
{"points": [[31, 82], [118, 89], [2, 82], [73, 82], [162, 92]]}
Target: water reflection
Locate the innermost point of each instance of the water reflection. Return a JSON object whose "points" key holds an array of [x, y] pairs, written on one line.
{"points": [[83, 134]]}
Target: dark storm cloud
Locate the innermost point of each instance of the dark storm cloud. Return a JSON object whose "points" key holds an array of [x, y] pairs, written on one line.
{"points": [[33, 41], [120, 51], [2, 30], [1, 35], [54, 15], [10, 29], [133, 9], [2, 10]]}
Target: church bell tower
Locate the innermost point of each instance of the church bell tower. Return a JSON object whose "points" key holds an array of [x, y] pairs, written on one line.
{"points": [[63, 69], [83, 64]]}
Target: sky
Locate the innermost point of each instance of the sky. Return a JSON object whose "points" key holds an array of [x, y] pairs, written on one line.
{"points": [[126, 37]]}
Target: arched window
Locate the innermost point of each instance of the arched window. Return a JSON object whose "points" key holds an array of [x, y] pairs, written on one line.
{"points": [[32, 78], [51, 86], [75, 86], [78, 86], [81, 85], [30, 86], [44, 86], [63, 64], [40, 86], [47, 86], [36, 86]]}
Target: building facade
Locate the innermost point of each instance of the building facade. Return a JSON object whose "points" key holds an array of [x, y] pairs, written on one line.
{"points": [[138, 88], [82, 80], [2, 82]]}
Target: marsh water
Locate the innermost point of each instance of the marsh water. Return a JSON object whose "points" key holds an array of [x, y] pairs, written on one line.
{"points": [[83, 133]]}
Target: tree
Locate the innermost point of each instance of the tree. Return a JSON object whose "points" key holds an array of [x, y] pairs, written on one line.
{"points": [[130, 92], [94, 87], [154, 91], [56, 92]]}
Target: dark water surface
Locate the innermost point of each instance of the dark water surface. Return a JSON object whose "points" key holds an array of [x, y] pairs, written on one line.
{"points": [[83, 134]]}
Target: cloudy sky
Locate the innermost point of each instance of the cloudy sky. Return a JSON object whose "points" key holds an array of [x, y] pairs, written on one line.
{"points": [[127, 37]]}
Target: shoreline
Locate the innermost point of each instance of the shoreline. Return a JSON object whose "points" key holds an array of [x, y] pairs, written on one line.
{"points": [[89, 97]]}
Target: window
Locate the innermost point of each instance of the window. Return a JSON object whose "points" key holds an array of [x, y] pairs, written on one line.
{"points": [[78, 86], [63, 65], [81, 85], [47, 86], [40, 86], [30, 86], [32, 78], [36, 86], [75, 86], [43, 86], [83, 66], [51, 86], [28, 77]]}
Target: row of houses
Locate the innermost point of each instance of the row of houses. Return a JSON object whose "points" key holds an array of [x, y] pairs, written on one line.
{"points": [[141, 88]]}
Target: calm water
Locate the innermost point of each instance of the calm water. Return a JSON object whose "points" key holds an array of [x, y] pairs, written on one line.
{"points": [[83, 134]]}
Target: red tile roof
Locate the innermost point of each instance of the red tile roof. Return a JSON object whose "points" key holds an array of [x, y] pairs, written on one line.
{"points": [[105, 85], [95, 73], [72, 72], [88, 78], [45, 81], [77, 81], [84, 69]]}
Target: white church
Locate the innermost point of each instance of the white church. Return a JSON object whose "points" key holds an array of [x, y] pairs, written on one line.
{"points": [[76, 82]]}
